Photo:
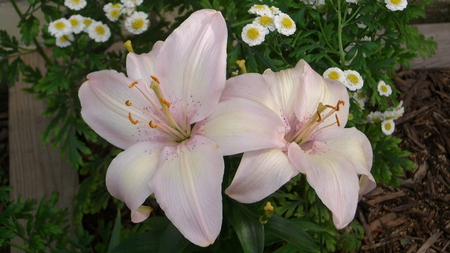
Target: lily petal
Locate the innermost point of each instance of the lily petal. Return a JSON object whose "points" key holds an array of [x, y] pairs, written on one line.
{"points": [[142, 66], [129, 173], [331, 162], [239, 125], [191, 65], [260, 174], [317, 89], [187, 186], [103, 98]]}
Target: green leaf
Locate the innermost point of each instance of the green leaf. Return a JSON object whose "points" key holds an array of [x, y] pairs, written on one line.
{"points": [[29, 29], [115, 236], [247, 227], [172, 241], [292, 233], [143, 243]]}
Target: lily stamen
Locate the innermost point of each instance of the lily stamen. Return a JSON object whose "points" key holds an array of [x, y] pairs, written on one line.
{"points": [[152, 125], [134, 122]]}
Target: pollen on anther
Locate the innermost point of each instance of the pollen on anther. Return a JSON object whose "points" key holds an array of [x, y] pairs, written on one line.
{"points": [[132, 84], [155, 79], [318, 115], [167, 103], [128, 103], [134, 122], [340, 102], [152, 125]]}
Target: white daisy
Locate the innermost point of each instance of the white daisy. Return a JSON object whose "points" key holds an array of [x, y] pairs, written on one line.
{"points": [[260, 10], [75, 4], [360, 95], [99, 31], [266, 21], [254, 34], [284, 24], [77, 22], [334, 73], [352, 1], [388, 126], [132, 3], [360, 103], [113, 11], [395, 113], [87, 22], [396, 5], [384, 89], [64, 40], [353, 80], [137, 23], [375, 117], [275, 10], [60, 27]]}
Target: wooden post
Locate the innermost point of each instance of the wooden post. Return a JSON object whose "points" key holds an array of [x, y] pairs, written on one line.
{"points": [[35, 170]]}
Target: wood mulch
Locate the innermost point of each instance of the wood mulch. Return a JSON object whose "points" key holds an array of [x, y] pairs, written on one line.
{"points": [[416, 216]]}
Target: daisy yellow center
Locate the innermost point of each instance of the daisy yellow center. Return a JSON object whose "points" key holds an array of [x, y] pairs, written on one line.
{"points": [[384, 88], [76, 1], [253, 33], [115, 13], [74, 22], [265, 20], [60, 25], [260, 7], [396, 1], [64, 38], [138, 24], [286, 22], [87, 22], [376, 120], [353, 78], [360, 95], [116, 6], [388, 126], [315, 123], [100, 30], [334, 75]]}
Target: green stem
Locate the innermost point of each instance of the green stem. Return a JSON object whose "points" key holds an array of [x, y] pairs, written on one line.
{"points": [[340, 26], [39, 48], [242, 23]]}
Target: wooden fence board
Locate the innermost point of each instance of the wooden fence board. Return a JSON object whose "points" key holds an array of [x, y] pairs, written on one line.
{"points": [[441, 34], [35, 170]]}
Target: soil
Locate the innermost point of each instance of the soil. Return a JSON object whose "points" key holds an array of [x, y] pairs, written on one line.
{"points": [[415, 217]]}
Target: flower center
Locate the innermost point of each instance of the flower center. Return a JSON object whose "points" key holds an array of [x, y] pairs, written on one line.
{"points": [[138, 24], [265, 21], [395, 1], [115, 13], [162, 119], [334, 75], [74, 22], [314, 125], [287, 23], [353, 78], [384, 88], [253, 33], [60, 25], [100, 30]]}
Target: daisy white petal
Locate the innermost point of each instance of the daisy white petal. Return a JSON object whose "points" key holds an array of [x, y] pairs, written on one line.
{"points": [[360, 95], [260, 10], [285, 25], [77, 22], [60, 27], [353, 80], [396, 5], [137, 23], [375, 117], [99, 32], [388, 126], [75, 5], [254, 34], [384, 89]]}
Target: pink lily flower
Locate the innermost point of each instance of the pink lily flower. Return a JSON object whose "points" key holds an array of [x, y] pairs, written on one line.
{"points": [[167, 117], [314, 111]]}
